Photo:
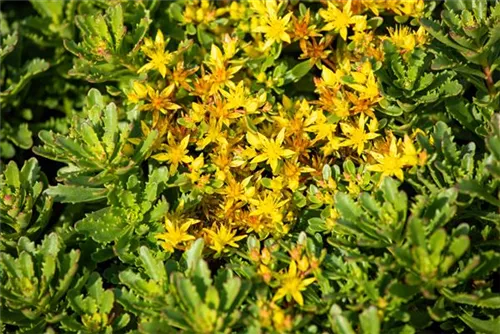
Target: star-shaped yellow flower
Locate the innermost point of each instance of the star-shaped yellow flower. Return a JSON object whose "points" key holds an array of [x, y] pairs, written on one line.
{"points": [[271, 150], [155, 51], [174, 153], [275, 27], [338, 20], [292, 284], [356, 135], [223, 237], [390, 164], [176, 235]]}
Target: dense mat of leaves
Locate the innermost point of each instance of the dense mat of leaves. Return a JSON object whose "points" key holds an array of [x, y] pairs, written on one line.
{"points": [[202, 166]]}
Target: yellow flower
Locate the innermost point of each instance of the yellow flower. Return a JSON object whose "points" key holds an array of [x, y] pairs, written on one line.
{"points": [[223, 237], [360, 23], [176, 234], [338, 20], [175, 153], [341, 107], [390, 164], [357, 137], [332, 145], [321, 128], [292, 171], [221, 74], [237, 10], [402, 37], [412, 7], [366, 83], [372, 5], [160, 101], [195, 168], [334, 79], [140, 92], [268, 206], [212, 135], [271, 150], [238, 96], [411, 156], [275, 30], [291, 285], [235, 191], [155, 51]]}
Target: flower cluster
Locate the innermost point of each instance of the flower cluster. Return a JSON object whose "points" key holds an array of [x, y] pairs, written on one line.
{"points": [[247, 149], [251, 166]]}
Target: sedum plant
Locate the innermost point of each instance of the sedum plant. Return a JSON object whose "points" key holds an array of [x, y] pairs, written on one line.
{"points": [[14, 78], [464, 43], [110, 40], [96, 152], [93, 312], [410, 86], [189, 300], [25, 210], [35, 282], [200, 166]]}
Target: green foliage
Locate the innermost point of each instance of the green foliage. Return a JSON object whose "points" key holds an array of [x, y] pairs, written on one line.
{"points": [[195, 302], [14, 79], [388, 206], [467, 43], [35, 281], [133, 211], [96, 149], [446, 162], [24, 209], [151, 208], [408, 85], [110, 40], [436, 253], [93, 311]]}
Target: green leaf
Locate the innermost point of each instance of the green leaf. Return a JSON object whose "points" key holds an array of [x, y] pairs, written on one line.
{"points": [[327, 172], [347, 207], [298, 71], [115, 16], [436, 31], [490, 326], [417, 232], [473, 188], [487, 301], [153, 267], [369, 320], [49, 9], [187, 292], [460, 111], [193, 254], [75, 194], [340, 324], [104, 225], [12, 175]]}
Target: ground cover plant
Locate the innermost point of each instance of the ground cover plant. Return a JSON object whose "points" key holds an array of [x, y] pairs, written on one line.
{"points": [[201, 166]]}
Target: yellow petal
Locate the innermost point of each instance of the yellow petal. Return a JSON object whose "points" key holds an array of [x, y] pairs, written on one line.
{"points": [[280, 137], [259, 158], [184, 143], [159, 40], [253, 140], [343, 33], [298, 297], [292, 271], [279, 294], [161, 157], [307, 281], [167, 91]]}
